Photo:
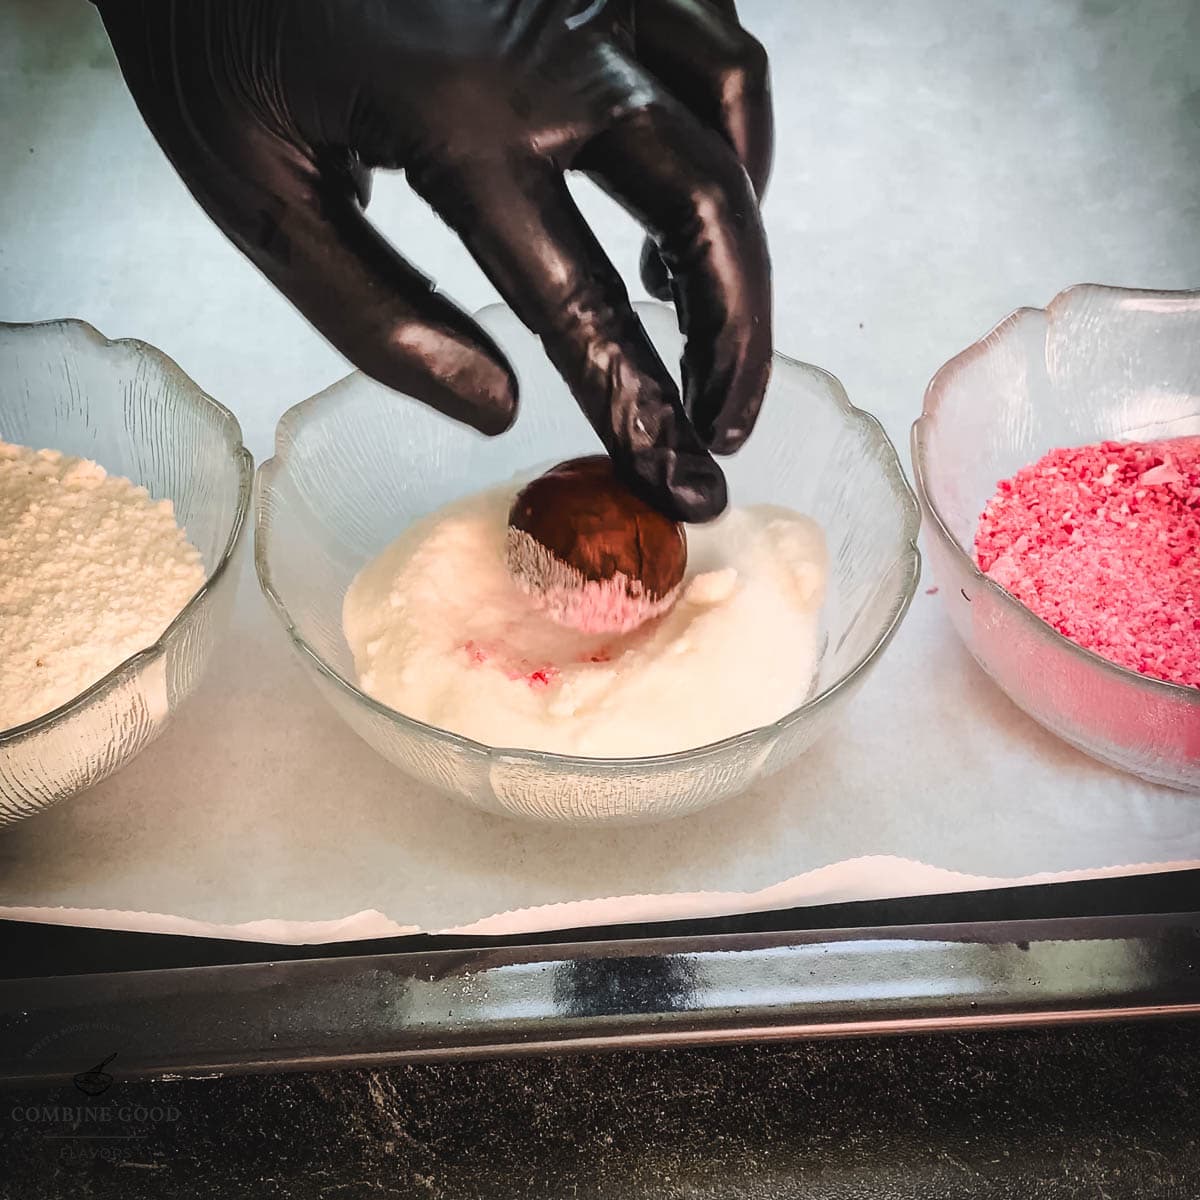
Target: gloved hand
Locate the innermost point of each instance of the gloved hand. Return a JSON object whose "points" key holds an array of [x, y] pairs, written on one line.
{"points": [[275, 111]]}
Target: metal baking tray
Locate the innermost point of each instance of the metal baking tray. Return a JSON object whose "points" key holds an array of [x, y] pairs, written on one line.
{"points": [[73, 1000]]}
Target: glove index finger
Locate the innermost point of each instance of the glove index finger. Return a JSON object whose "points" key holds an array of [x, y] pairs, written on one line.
{"points": [[520, 223]]}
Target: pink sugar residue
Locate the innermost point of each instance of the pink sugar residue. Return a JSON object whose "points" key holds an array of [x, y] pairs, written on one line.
{"points": [[476, 653], [516, 670], [1103, 543]]}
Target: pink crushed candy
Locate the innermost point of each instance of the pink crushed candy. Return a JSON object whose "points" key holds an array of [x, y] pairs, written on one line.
{"points": [[1103, 543], [476, 653], [517, 671]]}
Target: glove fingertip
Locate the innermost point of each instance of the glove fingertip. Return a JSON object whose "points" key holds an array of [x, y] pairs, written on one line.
{"points": [[450, 365], [496, 404], [725, 390], [686, 486], [486, 397]]}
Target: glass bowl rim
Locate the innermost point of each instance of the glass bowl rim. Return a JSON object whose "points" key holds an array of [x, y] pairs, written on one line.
{"points": [[242, 459], [922, 473], [908, 554]]}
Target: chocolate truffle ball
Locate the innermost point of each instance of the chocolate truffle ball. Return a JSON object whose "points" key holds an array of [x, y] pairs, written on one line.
{"points": [[591, 554]]}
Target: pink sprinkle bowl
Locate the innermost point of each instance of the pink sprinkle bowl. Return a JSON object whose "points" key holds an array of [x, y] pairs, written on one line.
{"points": [[1097, 364]]}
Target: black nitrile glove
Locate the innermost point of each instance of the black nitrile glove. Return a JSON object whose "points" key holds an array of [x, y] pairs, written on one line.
{"points": [[274, 112]]}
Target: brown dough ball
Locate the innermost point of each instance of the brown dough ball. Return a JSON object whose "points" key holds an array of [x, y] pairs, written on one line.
{"points": [[589, 522]]}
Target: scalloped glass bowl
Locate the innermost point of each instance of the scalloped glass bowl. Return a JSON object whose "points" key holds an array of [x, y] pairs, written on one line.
{"points": [[129, 407], [1096, 364], [354, 465]]}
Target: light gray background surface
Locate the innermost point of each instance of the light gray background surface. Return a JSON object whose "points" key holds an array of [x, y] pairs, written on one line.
{"points": [[939, 164]]}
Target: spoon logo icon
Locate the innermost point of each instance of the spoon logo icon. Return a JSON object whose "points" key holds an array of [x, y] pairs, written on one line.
{"points": [[96, 1081]]}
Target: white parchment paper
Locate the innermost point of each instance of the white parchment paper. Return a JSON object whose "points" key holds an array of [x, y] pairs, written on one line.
{"points": [[899, 234], [279, 824]]}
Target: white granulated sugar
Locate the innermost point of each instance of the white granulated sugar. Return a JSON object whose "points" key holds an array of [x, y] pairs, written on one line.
{"points": [[92, 570], [442, 632]]}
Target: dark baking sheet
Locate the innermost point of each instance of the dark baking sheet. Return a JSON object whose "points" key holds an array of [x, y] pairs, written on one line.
{"points": [[1071, 952]]}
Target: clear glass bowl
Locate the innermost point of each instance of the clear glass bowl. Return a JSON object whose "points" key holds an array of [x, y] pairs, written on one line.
{"points": [[354, 465], [129, 407], [1096, 364]]}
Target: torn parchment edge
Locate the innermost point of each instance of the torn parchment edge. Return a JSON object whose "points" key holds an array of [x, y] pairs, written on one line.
{"points": [[872, 877]]}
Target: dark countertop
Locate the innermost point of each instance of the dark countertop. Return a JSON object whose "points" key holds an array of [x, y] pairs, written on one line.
{"points": [[1105, 1111]]}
